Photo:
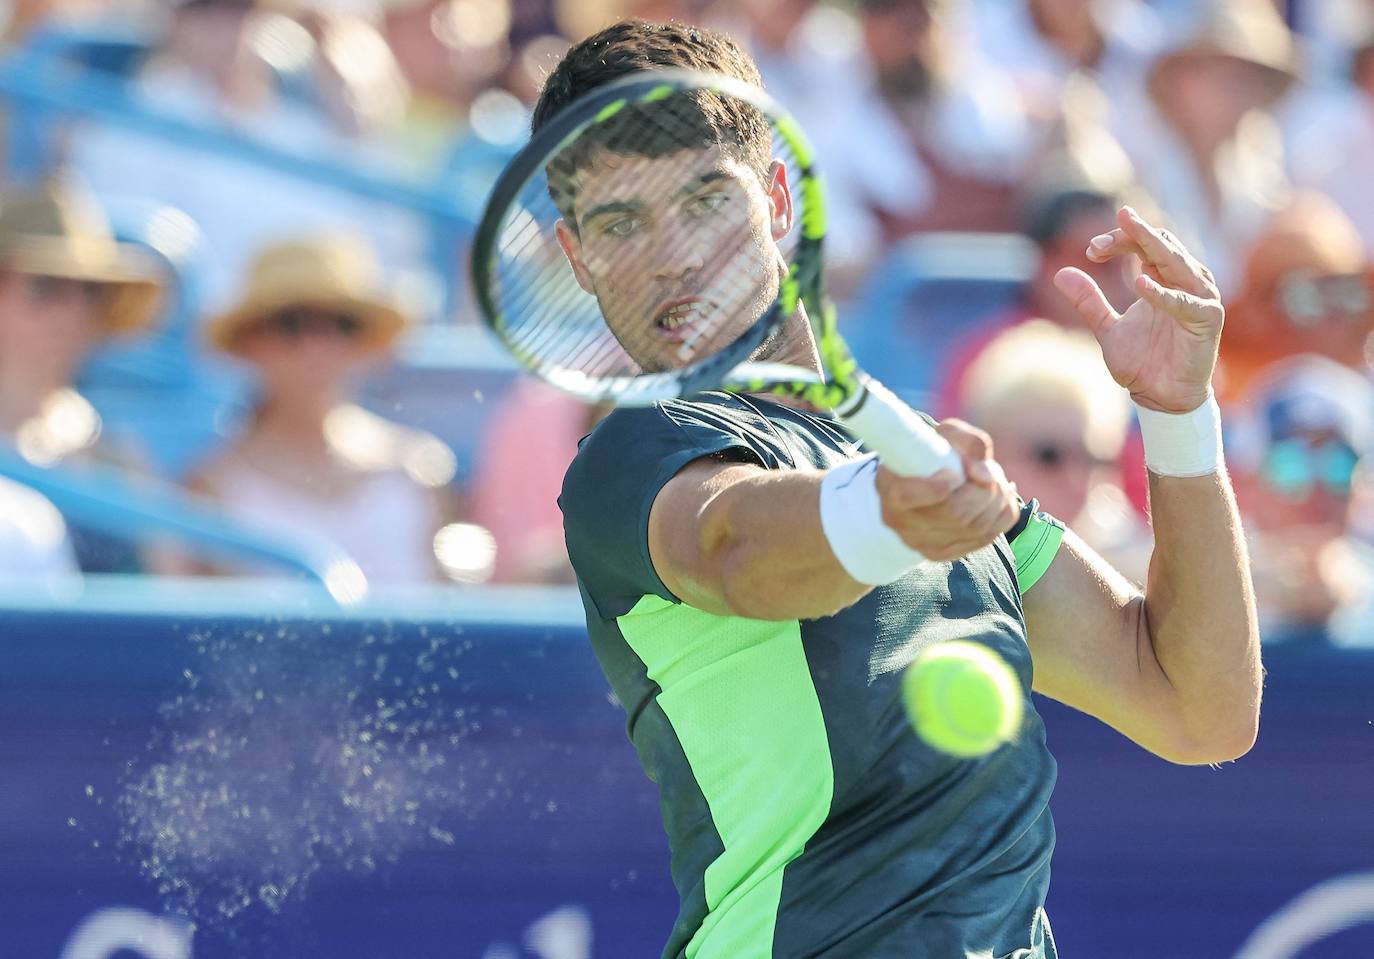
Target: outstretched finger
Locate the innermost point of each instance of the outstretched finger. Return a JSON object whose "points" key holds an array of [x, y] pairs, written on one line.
{"points": [[1111, 244], [1159, 249], [1087, 298]]}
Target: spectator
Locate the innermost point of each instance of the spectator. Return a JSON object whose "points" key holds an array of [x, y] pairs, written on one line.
{"points": [[34, 546], [577, 19], [209, 69], [1210, 151], [812, 61], [357, 83], [527, 446], [1309, 287], [452, 53], [1296, 450], [1062, 209], [935, 139], [310, 320], [1058, 423], [1335, 153], [65, 287], [1042, 43]]}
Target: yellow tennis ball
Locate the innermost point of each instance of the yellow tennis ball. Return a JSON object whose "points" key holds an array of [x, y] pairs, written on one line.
{"points": [[963, 698]]}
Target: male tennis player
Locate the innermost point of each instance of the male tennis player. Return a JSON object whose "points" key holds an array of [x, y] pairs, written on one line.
{"points": [[754, 585]]}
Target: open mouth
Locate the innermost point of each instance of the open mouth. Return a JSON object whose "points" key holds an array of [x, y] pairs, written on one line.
{"points": [[682, 320]]}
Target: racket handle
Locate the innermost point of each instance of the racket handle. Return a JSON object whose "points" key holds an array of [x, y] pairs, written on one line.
{"points": [[904, 442]]}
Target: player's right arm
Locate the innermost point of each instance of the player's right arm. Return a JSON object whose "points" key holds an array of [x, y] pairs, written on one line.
{"points": [[737, 539]]}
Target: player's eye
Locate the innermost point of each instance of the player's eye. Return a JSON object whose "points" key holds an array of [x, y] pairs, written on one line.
{"points": [[706, 203], [622, 227]]}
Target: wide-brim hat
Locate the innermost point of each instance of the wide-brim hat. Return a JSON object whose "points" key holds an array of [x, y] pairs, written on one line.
{"points": [[337, 273], [1247, 30], [60, 230]]}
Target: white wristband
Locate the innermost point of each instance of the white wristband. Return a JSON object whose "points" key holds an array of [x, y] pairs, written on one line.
{"points": [[852, 518], [1182, 444]]}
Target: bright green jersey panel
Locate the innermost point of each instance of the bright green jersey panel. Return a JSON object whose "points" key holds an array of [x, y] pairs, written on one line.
{"points": [[804, 815], [739, 695]]}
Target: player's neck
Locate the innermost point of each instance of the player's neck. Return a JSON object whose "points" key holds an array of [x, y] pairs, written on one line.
{"points": [[796, 347]]}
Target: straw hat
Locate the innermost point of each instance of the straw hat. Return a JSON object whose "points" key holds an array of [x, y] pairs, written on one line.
{"points": [[1248, 30], [59, 230], [332, 273]]}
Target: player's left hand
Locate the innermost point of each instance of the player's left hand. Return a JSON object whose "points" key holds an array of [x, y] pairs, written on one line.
{"points": [[1164, 347]]}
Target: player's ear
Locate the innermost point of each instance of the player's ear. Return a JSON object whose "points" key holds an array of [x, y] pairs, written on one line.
{"points": [[572, 249], [780, 212]]}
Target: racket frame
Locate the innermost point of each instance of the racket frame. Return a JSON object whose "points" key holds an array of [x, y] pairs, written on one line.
{"points": [[730, 368], [903, 438]]}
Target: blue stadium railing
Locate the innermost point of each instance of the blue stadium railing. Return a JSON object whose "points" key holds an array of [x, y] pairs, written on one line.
{"points": [[105, 499], [52, 87], [925, 296], [64, 74]]}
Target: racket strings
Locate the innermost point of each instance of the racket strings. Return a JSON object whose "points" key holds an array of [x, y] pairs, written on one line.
{"points": [[680, 295]]}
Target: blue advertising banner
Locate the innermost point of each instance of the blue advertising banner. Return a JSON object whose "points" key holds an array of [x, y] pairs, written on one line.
{"points": [[461, 786]]}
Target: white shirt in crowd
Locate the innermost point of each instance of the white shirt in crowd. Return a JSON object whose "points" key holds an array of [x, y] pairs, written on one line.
{"points": [[33, 537]]}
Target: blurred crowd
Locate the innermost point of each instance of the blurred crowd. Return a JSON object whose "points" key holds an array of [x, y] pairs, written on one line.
{"points": [[326, 158]]}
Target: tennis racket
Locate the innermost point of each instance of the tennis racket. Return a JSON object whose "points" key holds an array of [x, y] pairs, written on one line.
{"points": [[662, 236]]}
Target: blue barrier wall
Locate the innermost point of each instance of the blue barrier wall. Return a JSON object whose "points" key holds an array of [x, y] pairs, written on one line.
{"points": [[460, 786]]}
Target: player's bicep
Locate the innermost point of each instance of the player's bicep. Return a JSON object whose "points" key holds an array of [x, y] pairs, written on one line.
{"points": [[679, 542], [1091, 647]]}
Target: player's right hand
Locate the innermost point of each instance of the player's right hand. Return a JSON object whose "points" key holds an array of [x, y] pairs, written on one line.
{"points": [[943, 517]]}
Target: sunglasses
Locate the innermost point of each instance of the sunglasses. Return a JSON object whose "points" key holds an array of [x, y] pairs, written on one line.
{"points": [[1294, 467], [52, 289], [1307, 299], [295, 324]]}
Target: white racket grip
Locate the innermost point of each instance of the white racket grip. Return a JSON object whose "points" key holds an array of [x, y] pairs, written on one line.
{"points": [[904, 442]]}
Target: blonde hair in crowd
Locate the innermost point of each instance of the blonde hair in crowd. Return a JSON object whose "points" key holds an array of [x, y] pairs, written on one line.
{"points": [[1038, 362]]}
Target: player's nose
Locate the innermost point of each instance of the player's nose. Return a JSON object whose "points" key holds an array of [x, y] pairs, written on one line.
{"points": [[678, 254]]}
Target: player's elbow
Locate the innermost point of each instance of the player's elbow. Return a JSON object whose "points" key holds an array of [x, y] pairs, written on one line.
{"points": [[1237, 739], [1223, 741]]}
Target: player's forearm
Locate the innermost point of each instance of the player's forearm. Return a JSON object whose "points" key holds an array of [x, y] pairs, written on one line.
{"points": [[1200, 611], [764, 553]]}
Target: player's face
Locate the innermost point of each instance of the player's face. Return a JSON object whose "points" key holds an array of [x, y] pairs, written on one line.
{"points": [[680, 251]]}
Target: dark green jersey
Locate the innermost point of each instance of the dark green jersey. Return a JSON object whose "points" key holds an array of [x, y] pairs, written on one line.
{"points": [[805, 817]]}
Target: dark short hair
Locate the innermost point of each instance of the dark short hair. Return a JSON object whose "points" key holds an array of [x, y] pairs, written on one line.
{"points": [[1046, 216], [700, 119]]}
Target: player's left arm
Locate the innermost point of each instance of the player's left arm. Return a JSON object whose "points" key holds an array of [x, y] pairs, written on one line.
{"points": [[1177, 668]]}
